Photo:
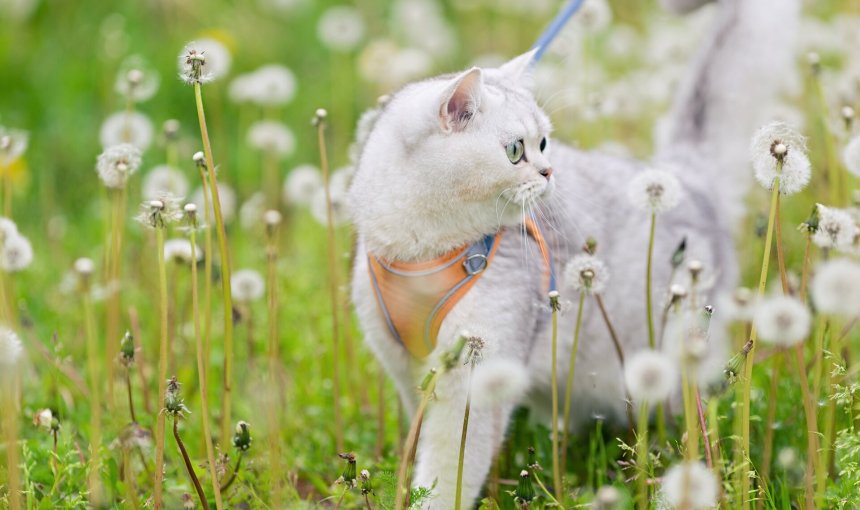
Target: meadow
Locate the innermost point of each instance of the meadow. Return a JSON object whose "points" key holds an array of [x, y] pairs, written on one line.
{"points": [[210, 330]]}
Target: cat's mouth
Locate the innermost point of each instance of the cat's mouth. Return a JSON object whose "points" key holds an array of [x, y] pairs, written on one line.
{"points": [[526, 193]]}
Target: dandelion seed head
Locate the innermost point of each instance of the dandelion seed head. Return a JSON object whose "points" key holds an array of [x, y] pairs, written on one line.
{"points": [[301, 184], [774, 145], [782, 320], [594, 16], [341, 28], [84, 266], [171, 129], [135, 81], [499, 381], [160, 212], [16, 253], [164, 179], [787, 458], [851, 156], [656, 191], [247, 285], [117, 163], [199, 158], [43, 418], [204, 60], [607, 498], [650, 376], [691, 485], [7, 228], [586, 273], [251, 212], [270, 85], [269, 135], [190, 208], [835, 288], [124, 127], [228, 201], [179, 251], [272, 218], [339, 207], [13, 144], [836, 228], [10, 348]]}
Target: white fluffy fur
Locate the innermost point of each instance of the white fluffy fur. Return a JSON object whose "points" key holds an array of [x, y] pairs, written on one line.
{"points": [[433, 175]]}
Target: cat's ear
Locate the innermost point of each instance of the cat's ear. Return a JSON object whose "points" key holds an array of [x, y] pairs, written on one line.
{"points": [[519, 69], [461, 100]]}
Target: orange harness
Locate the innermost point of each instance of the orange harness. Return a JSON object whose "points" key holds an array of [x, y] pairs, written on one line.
{"points": [[416, 297]]}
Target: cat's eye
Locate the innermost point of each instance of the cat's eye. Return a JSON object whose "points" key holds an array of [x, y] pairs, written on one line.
{"points": [[543, 144], [515, 151]]}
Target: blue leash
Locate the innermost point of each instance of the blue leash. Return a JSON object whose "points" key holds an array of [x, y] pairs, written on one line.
{"points": [[554, 28]]}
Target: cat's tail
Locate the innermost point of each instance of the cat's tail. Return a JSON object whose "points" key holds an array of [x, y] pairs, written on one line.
{"points": [[739, 70]]}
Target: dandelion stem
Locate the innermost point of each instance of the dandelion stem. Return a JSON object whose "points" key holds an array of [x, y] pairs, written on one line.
{"points": [[831, 379], [642, 462], [207, 271], [333, 284], [556, 467], [202, 379], [234, 474], [648, 263], [548, 494], [162, 369], [225, 263], [458, 493], [10, 427], [402, 495], [93, 350], [274, 357], [130, 398], [703, 423], [750, 359], [568, 389], [188, 466], [619, 352], [811, 436], [767, 457]]}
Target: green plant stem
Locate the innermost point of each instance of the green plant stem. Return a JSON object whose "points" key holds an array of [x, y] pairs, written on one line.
{"points": [[408, 453], [274, 411], [458, 493], [234, 474], [202, 376], [813, 469], [568, 389], [207, 273], [546, 492], [556, 466], [642, 460], [333, 288], [767, 457], [10, 419], [188, 466], [750, 359], [162, 369], [130, 397], [835, 349], [648, 304], [225, 265], [619, 352], [93, 351]]}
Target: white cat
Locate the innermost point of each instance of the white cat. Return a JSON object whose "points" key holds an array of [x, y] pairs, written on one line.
{"points": [[454, 159]]}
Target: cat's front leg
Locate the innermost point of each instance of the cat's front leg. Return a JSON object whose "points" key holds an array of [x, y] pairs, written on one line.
{"points": [[439, 443]]}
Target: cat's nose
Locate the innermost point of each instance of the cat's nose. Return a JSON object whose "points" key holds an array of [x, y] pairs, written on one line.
{"points": [[546, 172]]}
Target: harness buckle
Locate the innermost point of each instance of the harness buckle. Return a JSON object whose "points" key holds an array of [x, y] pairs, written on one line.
{"points": [[475, 263]]}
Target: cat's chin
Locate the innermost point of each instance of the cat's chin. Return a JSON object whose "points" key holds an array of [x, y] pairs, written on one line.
{"points": [[528, 193]]}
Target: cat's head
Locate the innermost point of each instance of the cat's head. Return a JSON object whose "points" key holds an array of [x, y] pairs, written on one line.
{"points": [[450, 159]]}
